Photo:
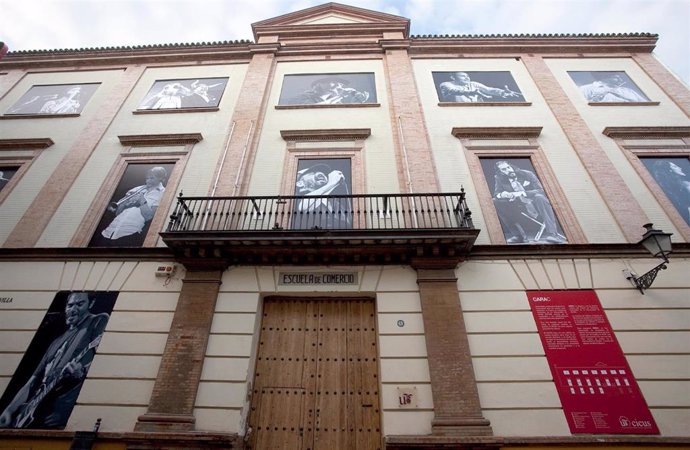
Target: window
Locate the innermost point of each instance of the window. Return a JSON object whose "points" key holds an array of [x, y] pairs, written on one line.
{"points": [[523, 208], [138, 195], [315, 179], [519, 197], [608, 87], [16, 155], [323, 163], [6, 174], [328, 89], [661, 157], [131, 206], [54, 100], [180, 94], [477, 87], [672, 174]]}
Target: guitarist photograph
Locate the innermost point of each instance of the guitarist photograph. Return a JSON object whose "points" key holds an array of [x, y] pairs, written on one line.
{"points": [[66, 343]]}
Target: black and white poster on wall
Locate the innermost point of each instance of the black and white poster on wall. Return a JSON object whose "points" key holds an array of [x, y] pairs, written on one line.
{"points": [[523, 208], [326, 185], [477, 87], [47, 382], [673, 176], [607, 87], [182, 93], [127, 218], [328, 89], [6, 174], [54, 99]]}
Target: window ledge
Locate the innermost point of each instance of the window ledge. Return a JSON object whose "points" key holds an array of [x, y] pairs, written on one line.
{"points": [[453, 104], [36, 116], [348, 105], [624, 103], [175, 110]]}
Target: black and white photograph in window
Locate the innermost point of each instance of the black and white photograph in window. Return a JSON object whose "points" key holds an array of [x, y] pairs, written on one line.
{"points": [[326, 185], [128, 216], [608, 87], [54, 99], [180, 94], [47, 381], [6, 174], [673, 176], [523, 208], [328, 89], [477, 87]]}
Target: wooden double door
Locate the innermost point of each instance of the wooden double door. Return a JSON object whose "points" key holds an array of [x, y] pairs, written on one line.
{"points": [[316, 384]]}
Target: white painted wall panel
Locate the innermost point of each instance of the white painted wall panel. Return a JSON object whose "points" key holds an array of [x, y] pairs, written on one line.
{"points": [[140, 321], [222, 345], [124, 366], [398, 302], [237, 302], [404, 370], [114, 418], [536, 422], [217, 420], [511, 369], [518, 395], [407, 422], [505, 344], [225, 369], [220, 395], [233, 323], [402, 346], [133, 343], [120, 392]]}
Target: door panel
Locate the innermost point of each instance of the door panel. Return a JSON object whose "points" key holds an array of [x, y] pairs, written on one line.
{"points": [[316, 381]]}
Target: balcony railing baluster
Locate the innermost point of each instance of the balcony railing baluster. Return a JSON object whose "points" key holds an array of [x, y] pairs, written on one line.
{"points": [[335, 212]]}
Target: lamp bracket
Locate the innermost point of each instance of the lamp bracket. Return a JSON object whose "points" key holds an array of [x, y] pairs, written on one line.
{"points": [[645, 281]]}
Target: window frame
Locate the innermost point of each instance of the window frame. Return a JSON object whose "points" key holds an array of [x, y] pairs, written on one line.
{"points": [[136, 153], [320, 144], [20, 153], [514, 142], [654, 146]]}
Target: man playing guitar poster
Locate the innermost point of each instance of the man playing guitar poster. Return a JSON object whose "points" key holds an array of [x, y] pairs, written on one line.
{"points": [[47, 398]]}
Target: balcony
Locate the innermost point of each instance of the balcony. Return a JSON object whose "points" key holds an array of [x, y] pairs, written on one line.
{"points": [[353, 229]]}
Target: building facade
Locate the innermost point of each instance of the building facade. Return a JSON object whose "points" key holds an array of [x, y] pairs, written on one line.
{"points": [[339, 236]]}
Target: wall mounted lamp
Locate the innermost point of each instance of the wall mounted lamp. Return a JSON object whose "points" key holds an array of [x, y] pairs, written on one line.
{"points": [[658, 244]]}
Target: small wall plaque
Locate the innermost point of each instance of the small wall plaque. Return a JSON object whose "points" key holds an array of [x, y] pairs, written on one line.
{"points": [[407, 397]]}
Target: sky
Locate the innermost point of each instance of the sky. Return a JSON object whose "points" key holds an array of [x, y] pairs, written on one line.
{"points": [[71, 24]]}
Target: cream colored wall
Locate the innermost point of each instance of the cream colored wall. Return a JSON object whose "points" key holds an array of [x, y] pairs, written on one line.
{"points": [[62, 130], [595, 218], [228, 368], [599, 117], [515, 385], [122, 374], [378, 154], [198, 175]]}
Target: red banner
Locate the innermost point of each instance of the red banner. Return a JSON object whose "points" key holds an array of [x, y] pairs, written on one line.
{"points": [[597, 389]]}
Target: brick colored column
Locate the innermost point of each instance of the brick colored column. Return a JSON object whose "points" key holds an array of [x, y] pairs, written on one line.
{"points": [[410, 126], [30, 227], [174, 393], [672, 86], [456, 401], [622, 204], [247, 118]]}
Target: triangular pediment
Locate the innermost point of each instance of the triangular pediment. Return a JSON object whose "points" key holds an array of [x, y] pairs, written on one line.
{"points": [[330, 15], [331, 18]]}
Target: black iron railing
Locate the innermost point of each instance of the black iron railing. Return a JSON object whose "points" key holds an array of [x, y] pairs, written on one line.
{"points": [[333, 212]]}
